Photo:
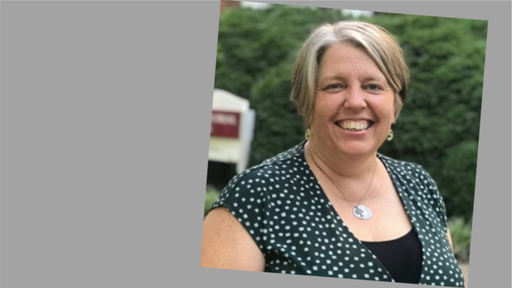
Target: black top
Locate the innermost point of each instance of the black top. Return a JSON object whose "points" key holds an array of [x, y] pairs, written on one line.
{"points": [[401, 257], [284, 209]]}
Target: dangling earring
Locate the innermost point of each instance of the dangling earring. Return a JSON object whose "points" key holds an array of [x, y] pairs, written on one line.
{"points": [[390, 135], [307, 134]]}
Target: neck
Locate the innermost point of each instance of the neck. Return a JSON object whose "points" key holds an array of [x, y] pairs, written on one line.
{"points": [[347, 177], [337, 165]]}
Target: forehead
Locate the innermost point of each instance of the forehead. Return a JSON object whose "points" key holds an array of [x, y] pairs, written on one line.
{"points": [[345, 60]]}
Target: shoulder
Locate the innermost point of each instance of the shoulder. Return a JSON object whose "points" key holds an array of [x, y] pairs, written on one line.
{"points": [[284, 163], [408, 172], [404, 167], [261, 181], [250, 195], [415, 181]]}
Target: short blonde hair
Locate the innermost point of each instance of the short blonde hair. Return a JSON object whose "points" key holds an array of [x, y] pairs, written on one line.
{"points": [[376, 41]]}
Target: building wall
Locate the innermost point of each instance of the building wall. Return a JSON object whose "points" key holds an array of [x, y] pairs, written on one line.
{"points": [[227, 4]]}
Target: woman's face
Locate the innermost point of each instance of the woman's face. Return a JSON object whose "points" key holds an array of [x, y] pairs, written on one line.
{"points": [[354, 105]]}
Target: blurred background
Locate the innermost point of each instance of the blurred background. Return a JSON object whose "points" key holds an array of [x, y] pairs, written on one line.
{"points": [[438, 127]]}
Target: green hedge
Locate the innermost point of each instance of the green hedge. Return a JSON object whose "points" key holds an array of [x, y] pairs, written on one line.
{"points": [[211, 196], [460, 231]]}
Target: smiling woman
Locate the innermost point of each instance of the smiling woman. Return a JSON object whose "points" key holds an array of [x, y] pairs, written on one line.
{"points": [[332, 205], [354, 105]]}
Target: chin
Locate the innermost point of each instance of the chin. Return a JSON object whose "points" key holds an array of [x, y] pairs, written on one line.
{"points": [[356, 151]]}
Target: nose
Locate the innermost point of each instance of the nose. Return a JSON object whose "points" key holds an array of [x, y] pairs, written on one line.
{"points": [[355, 99]]}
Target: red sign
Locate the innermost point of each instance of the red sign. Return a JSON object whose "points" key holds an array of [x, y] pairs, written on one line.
{"points": [[225, 124]]}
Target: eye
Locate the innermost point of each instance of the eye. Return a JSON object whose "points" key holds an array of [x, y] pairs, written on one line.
{"points": [[333, 87], [373, 87]]}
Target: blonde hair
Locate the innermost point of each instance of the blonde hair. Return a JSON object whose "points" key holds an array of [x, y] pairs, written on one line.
{"points": [[373, 39]]}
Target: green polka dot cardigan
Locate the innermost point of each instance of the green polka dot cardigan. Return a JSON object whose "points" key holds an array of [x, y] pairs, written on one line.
{"points": [[284, 209]]}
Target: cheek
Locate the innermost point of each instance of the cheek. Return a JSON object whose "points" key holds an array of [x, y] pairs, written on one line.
{"points": [[322, 114], [388, 110], [326, 106], [319, 110]]}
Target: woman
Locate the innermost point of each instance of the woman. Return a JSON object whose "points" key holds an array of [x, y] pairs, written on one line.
{"points": [[332, 205]]}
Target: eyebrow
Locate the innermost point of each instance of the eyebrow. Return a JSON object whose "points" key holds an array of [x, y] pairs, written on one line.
{"points": [[341, 78], [371, 78]]}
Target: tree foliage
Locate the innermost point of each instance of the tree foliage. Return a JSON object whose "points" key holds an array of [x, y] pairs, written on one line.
{"points": [[439, 124], [252, 41]]}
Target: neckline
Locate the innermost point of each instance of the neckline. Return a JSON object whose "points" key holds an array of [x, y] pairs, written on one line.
{"points": [[381, 158], [400, 238]]}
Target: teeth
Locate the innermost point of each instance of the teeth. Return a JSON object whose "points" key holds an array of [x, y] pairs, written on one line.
{"points": [[354, 126]]}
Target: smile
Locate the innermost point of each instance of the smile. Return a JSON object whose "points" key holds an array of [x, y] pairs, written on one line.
{"points": [[351, 125]]}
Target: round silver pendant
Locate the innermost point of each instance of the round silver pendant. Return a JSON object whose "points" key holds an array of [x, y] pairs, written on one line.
{"points": [[362, 212]]}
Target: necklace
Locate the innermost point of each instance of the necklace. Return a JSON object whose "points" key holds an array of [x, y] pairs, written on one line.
{"points": [[360, 211]]}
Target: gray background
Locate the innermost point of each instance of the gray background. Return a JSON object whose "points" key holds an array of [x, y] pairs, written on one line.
{"points": [[105, 111]]}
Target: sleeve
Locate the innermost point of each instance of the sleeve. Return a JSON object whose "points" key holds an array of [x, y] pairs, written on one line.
{"points": [[437, 200], [243, 197]]}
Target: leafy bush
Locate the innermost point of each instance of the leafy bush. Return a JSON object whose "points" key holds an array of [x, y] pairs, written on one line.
{"points": [[279, 126], [458, 178], [460, 231], [211, 196]]}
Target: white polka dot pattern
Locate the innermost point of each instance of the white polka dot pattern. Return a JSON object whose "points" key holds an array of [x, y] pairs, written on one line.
{"points": [[290, 218]]}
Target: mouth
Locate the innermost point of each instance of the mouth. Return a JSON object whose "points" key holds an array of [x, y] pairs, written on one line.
{"points": [[354, 126]]}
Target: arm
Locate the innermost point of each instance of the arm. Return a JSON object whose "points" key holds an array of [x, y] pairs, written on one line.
{"points": [[451, 245], [449, 237], [227, 245]]}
